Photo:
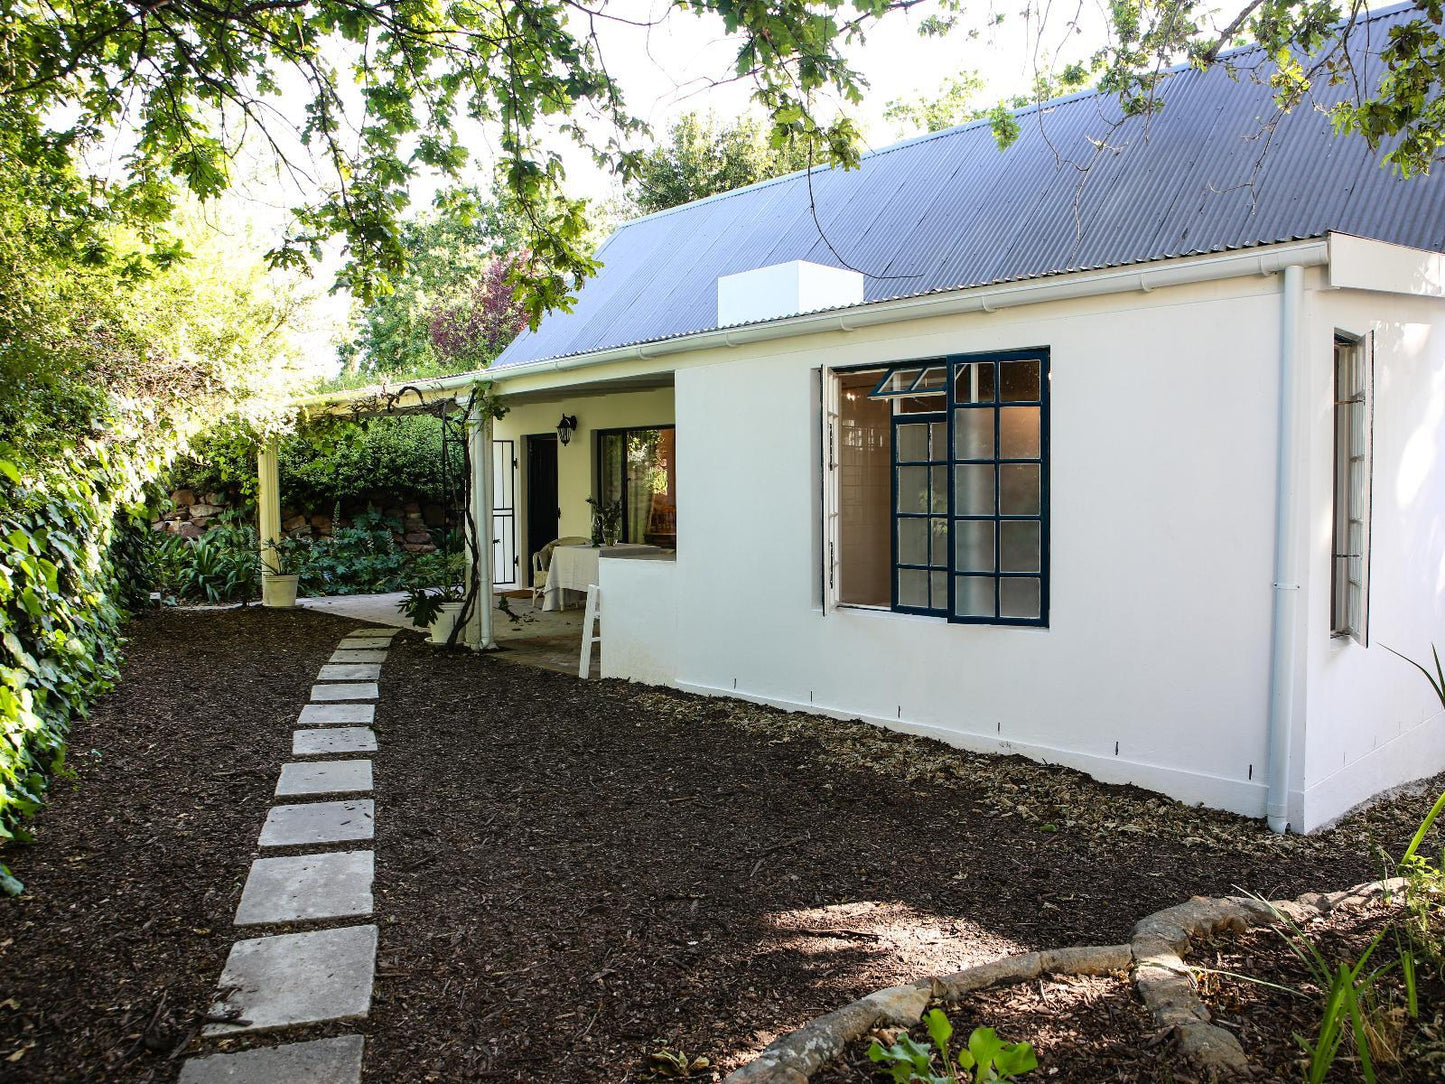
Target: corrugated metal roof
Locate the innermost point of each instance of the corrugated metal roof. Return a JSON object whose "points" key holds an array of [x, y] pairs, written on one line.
{"points": [[1211, 172]]}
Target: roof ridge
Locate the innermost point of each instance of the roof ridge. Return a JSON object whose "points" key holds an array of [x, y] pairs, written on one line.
{"points": [[924, 137]]}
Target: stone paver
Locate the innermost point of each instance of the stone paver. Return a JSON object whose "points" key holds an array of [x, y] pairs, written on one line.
{"points": [[318, 822], [350, 690], [368, 643], [383, 631], [335, 739], [307, 886], [331, 714], [297, 978], [350, 671], [357, 655], [324, 777], [321, 1061]]}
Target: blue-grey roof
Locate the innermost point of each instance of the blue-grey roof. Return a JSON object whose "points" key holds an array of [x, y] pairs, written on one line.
{"points": [[949, 210]]}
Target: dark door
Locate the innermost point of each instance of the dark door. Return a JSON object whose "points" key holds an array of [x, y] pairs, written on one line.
{"points": [[542, 510]]}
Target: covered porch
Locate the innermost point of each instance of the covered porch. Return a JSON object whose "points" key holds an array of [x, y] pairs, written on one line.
{"points": [[540, 456]]}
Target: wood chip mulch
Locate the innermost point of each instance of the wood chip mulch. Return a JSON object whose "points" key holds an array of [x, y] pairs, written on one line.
{"points": [[572, 877], [110, 959]]}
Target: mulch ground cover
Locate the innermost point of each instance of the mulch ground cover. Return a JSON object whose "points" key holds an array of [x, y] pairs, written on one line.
{"points": [[1267, 1015], [1084, 1029], [109, 960], [572, 877]]}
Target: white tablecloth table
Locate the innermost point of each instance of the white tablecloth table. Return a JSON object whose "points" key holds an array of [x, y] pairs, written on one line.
{"points": [[574, 568]]}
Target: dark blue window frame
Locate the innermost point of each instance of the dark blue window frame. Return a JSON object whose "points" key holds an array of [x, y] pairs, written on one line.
{"points": [[1011, 588]]}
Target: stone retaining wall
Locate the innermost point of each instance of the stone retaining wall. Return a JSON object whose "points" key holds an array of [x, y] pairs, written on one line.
{"points": [[192, 514]]}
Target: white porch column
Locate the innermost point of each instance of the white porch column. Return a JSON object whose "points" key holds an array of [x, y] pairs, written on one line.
{"points": [[268, 526], [478, 634]]}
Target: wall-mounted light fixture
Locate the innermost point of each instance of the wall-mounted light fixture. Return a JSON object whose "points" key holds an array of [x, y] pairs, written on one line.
{"points": [[566, 427]]}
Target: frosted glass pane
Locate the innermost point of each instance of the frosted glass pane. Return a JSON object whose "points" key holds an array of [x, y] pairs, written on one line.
{"points": [[1019, 381], [938, 537], [1019, 489], [913, 588], [973, 383], [938, 585], [938, 436], [913, 541], [973, 434], [973, 545], [913, 443], [939, 491], [913, 489], [1020, 598], [973, 596], [1018, 433], [973, 490], [1019, 546]]}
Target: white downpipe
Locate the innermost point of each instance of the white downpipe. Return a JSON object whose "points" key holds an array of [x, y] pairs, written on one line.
{"points": [[478, 634], [1288, 516], [268, 501]]}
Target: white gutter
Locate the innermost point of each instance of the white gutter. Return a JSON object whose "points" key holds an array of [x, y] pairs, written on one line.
{"points": [[1178, 272], [1288, 516]]}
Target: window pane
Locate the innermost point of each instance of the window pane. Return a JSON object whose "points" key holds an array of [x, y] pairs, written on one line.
{"points": [[939, 492], [1018, 432], [1019, 490], [913, 489], [913, 541], [973, 489], [913, 443], [973, 433], [913, 588], [938, 539], [938, 441], [899, 380], [1019, 598], [973, 545], [973, 596], [938, 586], [973, 382], [865, 493], [920, 404], [1019, 382], [1019, 546], [934, 379]]}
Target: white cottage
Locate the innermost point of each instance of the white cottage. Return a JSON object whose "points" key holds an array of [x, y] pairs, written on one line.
{"points": [[1136, 470]]}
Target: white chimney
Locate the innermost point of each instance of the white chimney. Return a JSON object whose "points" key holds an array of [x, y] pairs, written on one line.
{"points": [[785, 289]]}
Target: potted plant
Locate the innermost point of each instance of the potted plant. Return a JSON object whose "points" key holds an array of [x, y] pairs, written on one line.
{"points": [[434, 609], [281, 572], [606, 521]]}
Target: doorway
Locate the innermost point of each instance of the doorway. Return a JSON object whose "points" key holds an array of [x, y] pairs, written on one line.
{"points": [[542, 511]]}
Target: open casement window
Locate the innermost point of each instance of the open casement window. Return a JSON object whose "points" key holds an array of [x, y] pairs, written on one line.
{"points": [[939, 487], [829, 467], [1350, 566]]}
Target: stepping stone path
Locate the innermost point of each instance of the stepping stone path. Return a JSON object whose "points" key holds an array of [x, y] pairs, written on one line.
{"points": [[321, 972]]}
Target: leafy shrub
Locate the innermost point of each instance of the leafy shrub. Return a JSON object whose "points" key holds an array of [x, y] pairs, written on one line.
{"points": [[340, 461], [223, 565], [985, 1059]]}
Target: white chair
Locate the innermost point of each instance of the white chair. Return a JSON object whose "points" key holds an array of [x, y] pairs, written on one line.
{"points": [[590, 633]]}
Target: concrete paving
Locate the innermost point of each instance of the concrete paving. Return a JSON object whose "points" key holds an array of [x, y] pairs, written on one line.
{"points": [[356, 655], [382, 609], [331, 740], [350, 671], [321, 1061], [331, 714], [297, 978], [324, 777], [318, 822], [350, 690], [380, 631], [308, 886]]}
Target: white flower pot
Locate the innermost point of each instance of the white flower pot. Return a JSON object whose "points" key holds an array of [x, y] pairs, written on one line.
{"points": [[278, 591], [441, 628]]}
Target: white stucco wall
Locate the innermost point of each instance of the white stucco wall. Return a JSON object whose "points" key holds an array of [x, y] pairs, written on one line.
{"points": [[1370, 720], [1154, 668]]}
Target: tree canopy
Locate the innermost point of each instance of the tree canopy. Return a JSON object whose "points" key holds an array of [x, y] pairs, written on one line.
{"points": [[700, 157]]}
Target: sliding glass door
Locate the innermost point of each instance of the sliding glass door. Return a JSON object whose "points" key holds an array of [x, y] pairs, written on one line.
{"points": [[639, 468]]}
